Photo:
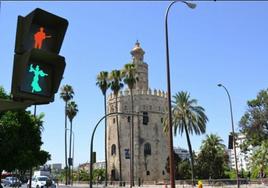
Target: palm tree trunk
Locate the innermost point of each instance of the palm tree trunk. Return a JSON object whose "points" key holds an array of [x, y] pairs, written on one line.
{"points": [[105, 141], [132, 142], [119, 146], [191, 153], [70, 149], [65, 138]]}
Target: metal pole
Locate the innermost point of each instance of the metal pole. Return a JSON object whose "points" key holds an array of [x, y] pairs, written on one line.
{"points": [[234, 137], [73, 159], [170, 135], [70, 174], [92, 138]]}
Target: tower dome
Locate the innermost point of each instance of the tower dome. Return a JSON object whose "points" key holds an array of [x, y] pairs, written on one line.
{"points": [[137, 53]]}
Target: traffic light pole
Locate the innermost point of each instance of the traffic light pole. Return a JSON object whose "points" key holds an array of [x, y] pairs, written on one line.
{"points": [[92, 138]]}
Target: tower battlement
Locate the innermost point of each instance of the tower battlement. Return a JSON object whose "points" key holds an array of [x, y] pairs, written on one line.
{"points": [[148, 92]]}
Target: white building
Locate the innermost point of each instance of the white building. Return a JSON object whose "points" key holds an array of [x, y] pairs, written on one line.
{"points": [[243, 159], [99, 165], [183, 153]]}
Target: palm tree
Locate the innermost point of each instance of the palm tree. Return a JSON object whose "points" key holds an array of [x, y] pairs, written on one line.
{"points": [[260, 159], [115, 78], [71, 112], [129, 75], [188, 117], [66, 94], [103, 83]]}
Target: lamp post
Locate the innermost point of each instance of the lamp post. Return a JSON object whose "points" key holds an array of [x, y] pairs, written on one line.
{"points": [[71, 176], [171, 157], [230, 102]]}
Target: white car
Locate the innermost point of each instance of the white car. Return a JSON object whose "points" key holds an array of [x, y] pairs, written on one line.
{"points": [[42, 182]]}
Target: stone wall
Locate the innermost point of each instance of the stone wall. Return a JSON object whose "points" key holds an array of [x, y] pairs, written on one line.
{"points": [[147, 168]]}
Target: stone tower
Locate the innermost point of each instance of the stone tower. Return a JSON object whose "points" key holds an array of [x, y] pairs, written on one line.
{"points": [[150, 143]]}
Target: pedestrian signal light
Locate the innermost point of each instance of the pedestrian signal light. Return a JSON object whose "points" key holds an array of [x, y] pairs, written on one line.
{"points": [[38, 68], [41, 30], [37, 76]]}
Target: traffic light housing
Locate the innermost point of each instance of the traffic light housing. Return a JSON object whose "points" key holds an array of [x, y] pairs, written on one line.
{"points": [[54, 26], [230, 141], [94, 157], [38, 68], [37, 76]]}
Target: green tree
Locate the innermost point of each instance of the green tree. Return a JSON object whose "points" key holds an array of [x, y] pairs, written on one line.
{"points": [[254, 123], [71, 112], [212, 159], [259, 159], [130, 77], [103, 83], [189, 117], [66, 93], [21, 142], [115, 78]]}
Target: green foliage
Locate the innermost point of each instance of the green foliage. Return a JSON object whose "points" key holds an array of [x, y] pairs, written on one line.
{"points": [[254, 123], [259, 159], [98, 175], [71, 110], [184, 169], [103, 82], [212, 159], [66, 92], [115, 78], [187, 117], [21, 142], [129, 74]]}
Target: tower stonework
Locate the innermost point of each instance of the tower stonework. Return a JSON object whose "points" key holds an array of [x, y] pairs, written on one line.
{"points": [[150, 143]]}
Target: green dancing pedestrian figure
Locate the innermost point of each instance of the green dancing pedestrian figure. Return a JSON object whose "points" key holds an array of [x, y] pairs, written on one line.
{"points": [[37, 73]]}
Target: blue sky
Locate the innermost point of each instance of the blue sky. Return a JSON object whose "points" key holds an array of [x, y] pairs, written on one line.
{"points": [[222, 42]]}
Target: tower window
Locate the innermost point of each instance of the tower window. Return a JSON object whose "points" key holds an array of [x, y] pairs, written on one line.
{"points": [[163, 172], [128, 119], [162, 119], [113, 152], [148, 173], [145, 118], [113, 120], [147, 149]]}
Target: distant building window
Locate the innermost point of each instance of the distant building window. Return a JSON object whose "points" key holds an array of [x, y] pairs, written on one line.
{"points": [[150, 107], [163, 172], [128, 119], [162, 120], [125, 107], [148, 173], [145, 118], [113, 149], [147, 149], [113, 120]]}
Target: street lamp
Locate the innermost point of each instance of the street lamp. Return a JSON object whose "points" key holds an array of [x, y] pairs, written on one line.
{"points": [[171, 157], [230, 102], [71, 178]]}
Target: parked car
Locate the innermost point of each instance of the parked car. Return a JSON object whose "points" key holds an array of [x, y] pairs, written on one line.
{"points": [[11, 182], [42, 182]]}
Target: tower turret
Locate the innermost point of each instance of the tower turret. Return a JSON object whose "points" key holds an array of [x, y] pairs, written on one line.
{"points": [[142, 68]]}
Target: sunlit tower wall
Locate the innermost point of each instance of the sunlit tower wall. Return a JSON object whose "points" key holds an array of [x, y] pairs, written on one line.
{"points": [[150, 143]]}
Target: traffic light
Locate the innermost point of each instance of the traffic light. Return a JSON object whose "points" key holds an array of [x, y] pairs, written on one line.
{"points": [[94, 157], [38, 68], [230, 142]]}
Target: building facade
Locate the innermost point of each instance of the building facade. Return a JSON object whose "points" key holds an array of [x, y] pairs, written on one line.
{"points": [[183, 153], [150, 143], [243, 159]]}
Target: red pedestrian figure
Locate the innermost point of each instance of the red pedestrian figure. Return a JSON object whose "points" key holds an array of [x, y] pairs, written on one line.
{"points": [[39, 37]]}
